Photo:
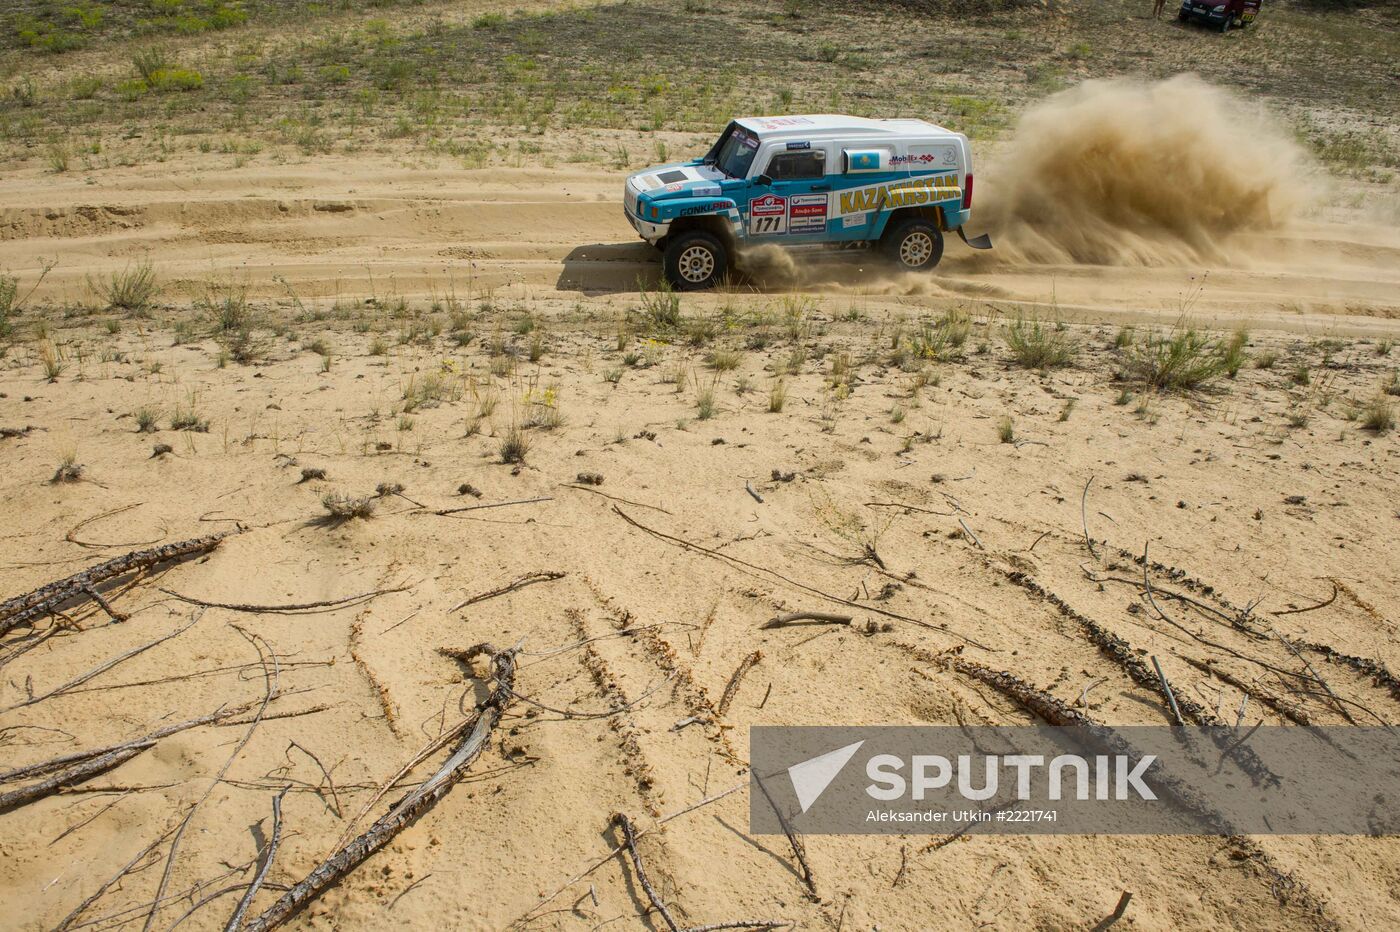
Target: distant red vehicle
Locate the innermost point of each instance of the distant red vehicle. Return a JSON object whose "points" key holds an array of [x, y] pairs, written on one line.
{"points": [[1232, 14]]}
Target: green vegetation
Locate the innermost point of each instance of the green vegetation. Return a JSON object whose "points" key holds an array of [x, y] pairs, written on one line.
{"points": [[1038, 345], [1181, 360], [345, 74]]}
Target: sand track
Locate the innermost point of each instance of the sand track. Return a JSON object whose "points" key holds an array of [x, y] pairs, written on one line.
{"points": [[341, 230]]}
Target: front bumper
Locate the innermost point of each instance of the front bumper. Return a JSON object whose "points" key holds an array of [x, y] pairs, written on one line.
{"points": [[646, 229], [1205, 13]]}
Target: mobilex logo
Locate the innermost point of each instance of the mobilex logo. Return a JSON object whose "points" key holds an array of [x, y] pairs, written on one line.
{"points": [[1137, 780]]}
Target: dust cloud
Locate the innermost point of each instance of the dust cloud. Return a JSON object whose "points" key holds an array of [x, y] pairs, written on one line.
{"points": [[1125, 172]]}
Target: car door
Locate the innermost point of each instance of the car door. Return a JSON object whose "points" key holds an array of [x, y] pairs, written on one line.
{"points": [[790, 196]]}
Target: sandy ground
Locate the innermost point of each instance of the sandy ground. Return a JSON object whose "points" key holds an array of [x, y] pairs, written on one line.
{"points": [[1240, 506]]}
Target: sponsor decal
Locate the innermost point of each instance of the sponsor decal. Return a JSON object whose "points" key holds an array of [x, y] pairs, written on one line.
{"points": [[916, 191], [854, 220], [768, 215], [799, 145], [705, 190], [674, 186], [704, 209], [910, 159], [807, 213]]}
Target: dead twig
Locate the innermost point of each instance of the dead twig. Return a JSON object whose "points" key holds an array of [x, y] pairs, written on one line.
{"points": [[745, 566], [1167, 691], [520, 582], [1117, 913], [57, 763], [819, 617], [1312, 608], [408, 809], [625, 501], [1336, 700], [735, 680], [545, 901], [271, 674], [629, 837], [521, 501], [236, 919], [748, 487], [335, 796], [67, 921], [286, 609], [72, 536], [970, 535], [1084, 518], [799, 851], [106, 665]]}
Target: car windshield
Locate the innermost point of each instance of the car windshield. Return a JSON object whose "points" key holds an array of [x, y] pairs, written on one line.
{"points": [[734, 152]]}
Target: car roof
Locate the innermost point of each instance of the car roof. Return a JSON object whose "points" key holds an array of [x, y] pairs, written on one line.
{"points": [[831, 125]]}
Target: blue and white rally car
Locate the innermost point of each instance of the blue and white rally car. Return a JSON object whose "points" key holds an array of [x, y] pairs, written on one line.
{"points": [[809, 181]]}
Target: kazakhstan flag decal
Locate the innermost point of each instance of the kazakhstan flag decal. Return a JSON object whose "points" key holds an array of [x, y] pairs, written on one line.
{"points": [[863, 161]]}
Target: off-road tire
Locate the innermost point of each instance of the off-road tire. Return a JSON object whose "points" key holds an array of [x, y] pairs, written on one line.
{"points": [[695, 261], [914, 245]]}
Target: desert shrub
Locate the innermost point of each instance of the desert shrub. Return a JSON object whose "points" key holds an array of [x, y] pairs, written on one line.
{"points": [[1378, 415], [514, 445], [131, 289], [1181, 360], [1036, 345], [343, 507], [662, 307]]}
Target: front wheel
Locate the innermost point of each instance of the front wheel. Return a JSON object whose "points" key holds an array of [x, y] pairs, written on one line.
{"points": [[695, 261], [915, 245], [1225, 26]]}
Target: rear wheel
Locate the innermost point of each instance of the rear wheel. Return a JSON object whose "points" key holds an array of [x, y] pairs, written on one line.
{"points": [[914, 245], [695, 261]]}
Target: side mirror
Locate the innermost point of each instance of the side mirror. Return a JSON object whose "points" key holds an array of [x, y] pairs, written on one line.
{"points": [[765, 180]]}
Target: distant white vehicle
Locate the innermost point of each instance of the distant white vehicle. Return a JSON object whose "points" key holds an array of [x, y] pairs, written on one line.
{"points": [[810, 181]]}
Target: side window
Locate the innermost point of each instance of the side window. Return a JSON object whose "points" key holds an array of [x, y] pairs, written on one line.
{"points": [[796, 166]]}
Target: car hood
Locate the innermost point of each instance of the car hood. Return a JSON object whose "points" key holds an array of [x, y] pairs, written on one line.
{"points": [[685, 179]]}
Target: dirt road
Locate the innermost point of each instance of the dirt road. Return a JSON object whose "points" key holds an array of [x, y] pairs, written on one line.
{"points": [[350, 229]]}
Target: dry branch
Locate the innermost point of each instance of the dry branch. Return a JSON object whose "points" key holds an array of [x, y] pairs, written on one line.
{"points": [[745, 566], [518, 583], [1312, 608], [625, 501], [408, 809], [520, 501], [732, 689], [799, 850], [106, 665], [1084, 518], [821, 617], [629, 837], [24, 609], [57, 763], [271, 674], [246, 900], [285, 609], [75, 774], [68, 920]]}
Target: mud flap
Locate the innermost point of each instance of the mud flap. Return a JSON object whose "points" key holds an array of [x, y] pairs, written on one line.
{"points": [[977, 242]]}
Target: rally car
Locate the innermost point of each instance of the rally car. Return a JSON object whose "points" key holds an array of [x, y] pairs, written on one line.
{"points": [[1223, 16], [806, 181]]}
